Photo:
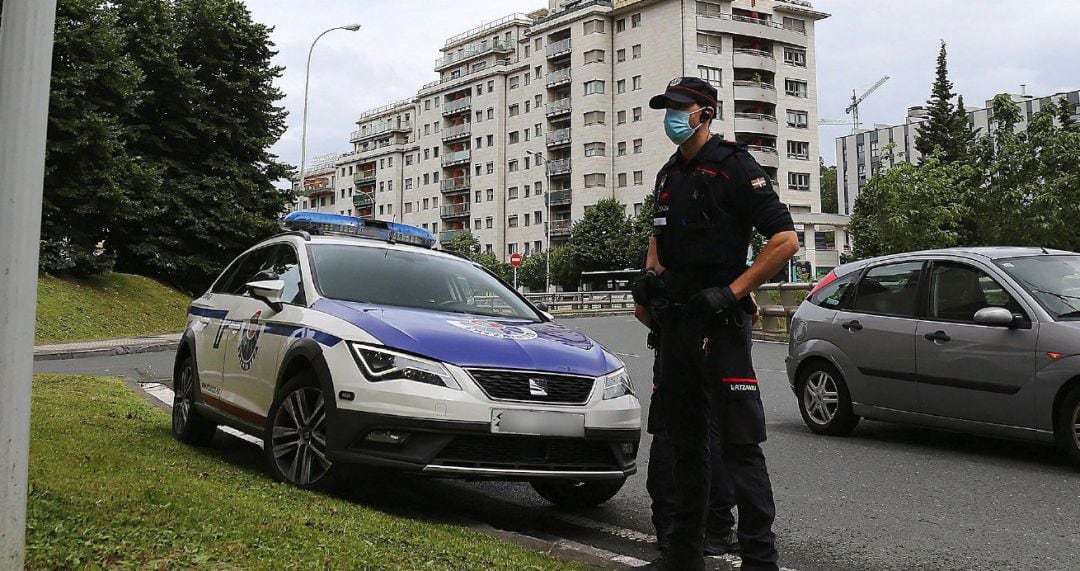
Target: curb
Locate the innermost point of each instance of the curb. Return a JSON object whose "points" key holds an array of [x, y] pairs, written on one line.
{"points": [[105, 351]]}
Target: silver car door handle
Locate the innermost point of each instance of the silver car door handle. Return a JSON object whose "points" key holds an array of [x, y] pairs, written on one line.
{"points": [[233, 327], [853, 325], [937, 336], [204, 320]]}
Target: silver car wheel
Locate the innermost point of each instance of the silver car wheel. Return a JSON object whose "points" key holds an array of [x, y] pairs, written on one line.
{"points": [[182, 397], [299, 436], [1076, 426], [820, 397]]}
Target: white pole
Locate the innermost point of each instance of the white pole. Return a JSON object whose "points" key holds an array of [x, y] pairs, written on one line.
{"points": [[26, 45], [307, 76]]}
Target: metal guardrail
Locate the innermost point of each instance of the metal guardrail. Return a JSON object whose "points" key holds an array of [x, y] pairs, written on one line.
{"points": [[777, 303]]}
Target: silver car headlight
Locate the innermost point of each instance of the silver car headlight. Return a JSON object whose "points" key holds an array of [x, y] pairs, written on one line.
{"points": [[618, 384], [381, 364]]}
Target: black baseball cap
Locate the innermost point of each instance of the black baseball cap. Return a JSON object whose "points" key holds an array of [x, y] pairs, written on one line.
{"points": [[683, 90]]}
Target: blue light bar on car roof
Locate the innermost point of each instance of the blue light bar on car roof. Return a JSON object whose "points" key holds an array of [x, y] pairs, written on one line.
{"points": [[322, 222]]}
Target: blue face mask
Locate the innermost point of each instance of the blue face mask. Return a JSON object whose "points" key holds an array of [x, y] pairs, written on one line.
{"points": [[677, 125]]}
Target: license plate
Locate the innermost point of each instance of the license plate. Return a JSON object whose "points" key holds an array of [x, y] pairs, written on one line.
{"points": [[537, 423]]}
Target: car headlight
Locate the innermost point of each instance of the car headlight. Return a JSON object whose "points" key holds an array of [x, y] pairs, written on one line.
{"points": [[618, 384], [380, 364]]}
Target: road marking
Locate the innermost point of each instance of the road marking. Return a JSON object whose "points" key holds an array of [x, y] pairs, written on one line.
{"points": [[601, 553], [626, 354]]}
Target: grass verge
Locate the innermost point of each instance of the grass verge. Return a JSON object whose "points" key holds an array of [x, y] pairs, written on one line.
{"points": [[106, 306], [109, 487]]}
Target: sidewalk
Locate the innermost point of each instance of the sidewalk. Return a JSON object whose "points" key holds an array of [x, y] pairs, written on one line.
{"points": [[104, 347]]}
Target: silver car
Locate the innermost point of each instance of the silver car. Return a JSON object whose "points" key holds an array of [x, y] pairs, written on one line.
{"points": [[982, 340]]}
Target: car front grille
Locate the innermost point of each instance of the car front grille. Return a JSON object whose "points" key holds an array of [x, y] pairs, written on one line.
{"points": [[528, 453], [524, 386]]}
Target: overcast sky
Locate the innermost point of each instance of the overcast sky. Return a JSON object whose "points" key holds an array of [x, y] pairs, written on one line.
{"points": [[994, 46]]}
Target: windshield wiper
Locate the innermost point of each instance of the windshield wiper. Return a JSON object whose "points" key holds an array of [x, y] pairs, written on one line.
{"points": [[1069, 315], [1062, 296]]}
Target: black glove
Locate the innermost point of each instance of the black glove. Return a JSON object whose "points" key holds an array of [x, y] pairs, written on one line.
{"points": [[711, 301], [647, 289]]}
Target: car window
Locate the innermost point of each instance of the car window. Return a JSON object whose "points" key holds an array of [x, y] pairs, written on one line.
{"points": [[889, 290], [957, 291], [832, 294], [222, 284], [249, 270], [386, 276], [1054, 282], [285, 266]]}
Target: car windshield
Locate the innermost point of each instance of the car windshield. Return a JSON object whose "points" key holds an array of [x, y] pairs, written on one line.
{"points": [[388, 276], [1054, 281]]}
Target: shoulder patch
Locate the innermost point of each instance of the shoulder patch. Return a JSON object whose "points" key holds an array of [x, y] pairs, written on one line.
{"points": [[759, 182]]}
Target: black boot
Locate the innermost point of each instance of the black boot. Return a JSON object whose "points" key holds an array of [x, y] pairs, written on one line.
{"points": [[725, 544]]}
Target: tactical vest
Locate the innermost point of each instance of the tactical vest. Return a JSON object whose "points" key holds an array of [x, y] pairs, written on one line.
{"points": [[698, 229]]}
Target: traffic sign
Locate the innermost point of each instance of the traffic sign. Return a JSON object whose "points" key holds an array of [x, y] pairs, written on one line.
{"points": [[515, 260]]}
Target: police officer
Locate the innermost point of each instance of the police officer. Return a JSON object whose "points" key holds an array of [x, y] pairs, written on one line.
{"points": [[710, 196]]}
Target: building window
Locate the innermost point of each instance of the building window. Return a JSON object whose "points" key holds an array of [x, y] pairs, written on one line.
{"points": [[594, 86], [797, 119], [798, 181], [488, 222], [512, 222], [636, 49], [490, 113], [594, 118], [514, 137], [795, 88], [637, 114], [709, 9], [620, 86], [514, 110], [709, 43], [513, 82], [621, 180], [713, 75], [798, 149], [490, 140], [594, 56], [479, 142], [595, 150], [528, 217], [795, 24], [538, 129], [479, 197], [593, 27], [537, 72], [620, 55], [636, 82], [622, 148], [635, 20], [637, 146], [796, 57], [490, 170], [621, 117], [512, 166], [595, 179], [408, 208], [512, 193], [620, 25], [639, 177], [538, 218], [476, 224]]}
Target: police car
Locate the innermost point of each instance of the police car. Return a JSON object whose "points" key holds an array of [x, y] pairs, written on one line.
{"points": [[352, 342]]}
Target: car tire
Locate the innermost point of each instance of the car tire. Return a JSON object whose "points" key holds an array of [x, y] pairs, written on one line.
{"points": [[1068, 426], [188, 425], [824, 400], [294, 439], [577, 493]]}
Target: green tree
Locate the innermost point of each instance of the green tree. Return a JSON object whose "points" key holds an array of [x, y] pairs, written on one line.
{"points": [[945, 132], [87, 162], [642, 228], [465, 244], [564, 270], [533, 271], [602, 239], [829, 197], [206, 136]]}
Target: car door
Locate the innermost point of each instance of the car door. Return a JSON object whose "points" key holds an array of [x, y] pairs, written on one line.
{"points": [[256, 349], [208, 324], [877, 334], [965, 370]]}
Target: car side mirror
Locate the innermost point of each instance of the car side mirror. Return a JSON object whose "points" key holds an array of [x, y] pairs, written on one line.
{"points": [[998, 316], [541, 306], [268, 292]]}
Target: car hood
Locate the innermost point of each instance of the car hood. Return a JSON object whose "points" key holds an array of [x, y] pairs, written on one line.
{"points": [[477, 341]]}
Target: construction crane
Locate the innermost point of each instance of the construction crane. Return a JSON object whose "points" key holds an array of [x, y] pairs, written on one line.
{"points": [[853, 109]]}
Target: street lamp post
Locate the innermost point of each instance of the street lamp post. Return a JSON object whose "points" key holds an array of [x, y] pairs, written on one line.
{"points": [[547, 222], [307, 76]]}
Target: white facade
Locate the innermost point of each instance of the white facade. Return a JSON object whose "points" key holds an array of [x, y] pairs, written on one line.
{"points": [[860, 155], [571, 85]]}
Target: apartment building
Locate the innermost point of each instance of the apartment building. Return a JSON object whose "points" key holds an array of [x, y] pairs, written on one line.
{"points": [[859, 156], [536, 117]]}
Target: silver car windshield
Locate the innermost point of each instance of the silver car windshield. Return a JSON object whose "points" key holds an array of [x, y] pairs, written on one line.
{"points": [[1054, 281], [386, 276]]}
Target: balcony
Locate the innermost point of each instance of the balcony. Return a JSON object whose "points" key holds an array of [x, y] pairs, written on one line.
{"points": [[447, 235], [456, 158], [754, 59], [457, 132], [319, 189], [558, 77], [561, 227], [380, 129], [746, 90], [756, 123], [556, 108], [558, 48], [456, 106], [555, 168], [559, 197], [363, 200], [455, 184], [474, 50], [364, 177], [459, 210], [751, 27], [558, 138], [765, 156]]}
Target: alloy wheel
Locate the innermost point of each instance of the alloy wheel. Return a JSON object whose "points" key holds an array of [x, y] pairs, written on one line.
{"points": [[299, 437], [182, 398], [820, 397], [1076, 426]]}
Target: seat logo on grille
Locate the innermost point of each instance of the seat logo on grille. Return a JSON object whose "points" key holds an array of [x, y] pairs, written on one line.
{"points": [[538, 387]]}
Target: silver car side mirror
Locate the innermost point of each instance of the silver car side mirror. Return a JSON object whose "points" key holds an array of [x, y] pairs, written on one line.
{"points": [[268, 292], [994, 316]]}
